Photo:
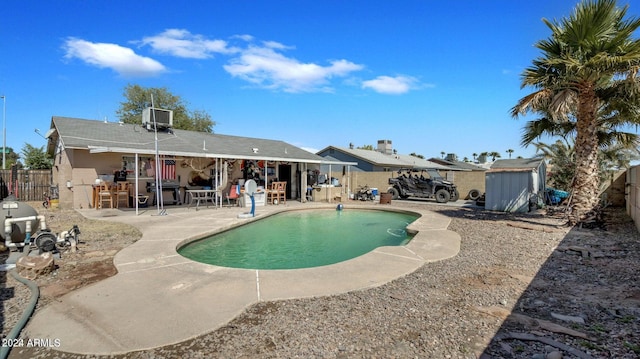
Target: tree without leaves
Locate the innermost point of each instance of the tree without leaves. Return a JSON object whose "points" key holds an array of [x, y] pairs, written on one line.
{"points": [[138, 98], [588, 68]]}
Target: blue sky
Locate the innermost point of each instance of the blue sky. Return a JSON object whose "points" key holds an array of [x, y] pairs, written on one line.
{"points": [[430, 76]]}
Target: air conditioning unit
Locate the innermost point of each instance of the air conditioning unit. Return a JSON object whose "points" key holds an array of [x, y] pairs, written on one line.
{"points": [[161, 117]]}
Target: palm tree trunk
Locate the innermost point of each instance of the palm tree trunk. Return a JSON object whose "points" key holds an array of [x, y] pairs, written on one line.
{"points": [[586, 182]]}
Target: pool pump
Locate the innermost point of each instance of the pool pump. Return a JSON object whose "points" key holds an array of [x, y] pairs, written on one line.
{"points": [[24, 228]]}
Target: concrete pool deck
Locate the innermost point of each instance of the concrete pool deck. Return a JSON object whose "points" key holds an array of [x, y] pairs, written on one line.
{"points": [[159, 297]]}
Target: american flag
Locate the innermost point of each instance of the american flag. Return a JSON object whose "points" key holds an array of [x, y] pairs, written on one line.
{"points": [[167, 169]]}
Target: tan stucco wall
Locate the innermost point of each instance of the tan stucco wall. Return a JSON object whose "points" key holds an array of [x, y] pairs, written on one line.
{"points": [[468, 180], [633, 194], [81, 168], [615, 189], [464, 180]]}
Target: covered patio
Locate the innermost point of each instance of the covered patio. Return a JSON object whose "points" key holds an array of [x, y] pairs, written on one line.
{"points": [[176, 167]]}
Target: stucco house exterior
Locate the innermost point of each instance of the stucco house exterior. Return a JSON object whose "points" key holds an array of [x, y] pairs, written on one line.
{"points": [[86, 151], [382, 159]]}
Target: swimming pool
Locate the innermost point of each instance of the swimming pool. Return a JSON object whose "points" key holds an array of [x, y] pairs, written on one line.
{"points": [[302, 239]]}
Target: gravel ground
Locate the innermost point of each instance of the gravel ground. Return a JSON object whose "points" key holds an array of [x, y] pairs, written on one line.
{"points": [[522, 286]]}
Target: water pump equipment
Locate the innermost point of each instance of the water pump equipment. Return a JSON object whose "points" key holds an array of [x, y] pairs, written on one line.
{"points": [[24, 228]]}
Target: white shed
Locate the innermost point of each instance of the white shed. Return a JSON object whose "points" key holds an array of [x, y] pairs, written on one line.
{"points": [[515, 185]]}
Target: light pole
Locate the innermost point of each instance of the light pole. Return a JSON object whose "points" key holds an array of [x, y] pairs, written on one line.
{"points": [[4, 133]]}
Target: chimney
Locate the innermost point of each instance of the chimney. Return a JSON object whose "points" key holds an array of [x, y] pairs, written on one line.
{"points": [[451, 157], [384, 146]]}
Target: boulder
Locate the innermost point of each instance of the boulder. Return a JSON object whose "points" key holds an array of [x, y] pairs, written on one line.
{"points": [[33, 267]]}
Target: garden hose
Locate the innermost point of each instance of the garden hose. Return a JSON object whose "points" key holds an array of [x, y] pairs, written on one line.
{"points": [[35, 293]]}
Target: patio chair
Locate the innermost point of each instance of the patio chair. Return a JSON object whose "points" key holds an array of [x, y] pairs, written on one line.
{"points": [[280, 194], [272, 192], [105, 194], [122, 194], [232, 195]]}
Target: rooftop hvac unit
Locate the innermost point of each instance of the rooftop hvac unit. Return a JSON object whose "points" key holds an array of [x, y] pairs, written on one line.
{"points": [[162, 118]]}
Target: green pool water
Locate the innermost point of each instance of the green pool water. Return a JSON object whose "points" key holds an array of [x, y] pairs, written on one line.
{"points": [[302, 239]]}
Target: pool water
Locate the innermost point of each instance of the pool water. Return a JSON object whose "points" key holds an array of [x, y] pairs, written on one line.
{"points": [[302, 239]]}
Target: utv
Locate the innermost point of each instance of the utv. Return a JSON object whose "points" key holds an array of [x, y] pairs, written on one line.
{"points": [[410, 184]]}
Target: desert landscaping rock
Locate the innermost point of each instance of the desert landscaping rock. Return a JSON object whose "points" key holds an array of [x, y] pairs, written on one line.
{"points": [[498, 298], [32, 267]]}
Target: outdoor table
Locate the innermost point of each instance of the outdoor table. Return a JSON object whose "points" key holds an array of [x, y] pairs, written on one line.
{"points": [[202, 195]]}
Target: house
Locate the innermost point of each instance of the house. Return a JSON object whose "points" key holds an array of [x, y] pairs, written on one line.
{"points": [[451, 161], [374, 167], [86, 151], [515, 185], [382, 159]]}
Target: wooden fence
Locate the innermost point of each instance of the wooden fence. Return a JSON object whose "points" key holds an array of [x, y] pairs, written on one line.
{"points": [[27, 185]]}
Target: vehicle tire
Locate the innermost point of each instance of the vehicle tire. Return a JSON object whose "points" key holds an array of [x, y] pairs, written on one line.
{"points": [[393, 192], [474, 194], [442, 196], [454, 196]]}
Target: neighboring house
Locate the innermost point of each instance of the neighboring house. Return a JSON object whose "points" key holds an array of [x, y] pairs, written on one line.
{"points": [[515, 185], [454, 164], [468, 177], [86, 150], [382, 159]]}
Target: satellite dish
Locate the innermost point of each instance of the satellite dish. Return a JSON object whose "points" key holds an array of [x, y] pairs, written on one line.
{"points": [[250, 187]]}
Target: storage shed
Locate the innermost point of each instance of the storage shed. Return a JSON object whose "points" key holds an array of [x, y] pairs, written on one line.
{"points": [[515, 185]]}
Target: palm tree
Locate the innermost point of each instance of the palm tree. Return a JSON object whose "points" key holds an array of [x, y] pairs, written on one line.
{"points": [[588, 66], [561, 159], [475, 155], [494, 155], [610, 129], [510, 151]]}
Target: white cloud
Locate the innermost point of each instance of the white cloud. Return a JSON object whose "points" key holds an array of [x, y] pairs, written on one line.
{"points": [[123, 60], [310, 149], [244, 37], [267, 68], [181, 43], [391, 85]]}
